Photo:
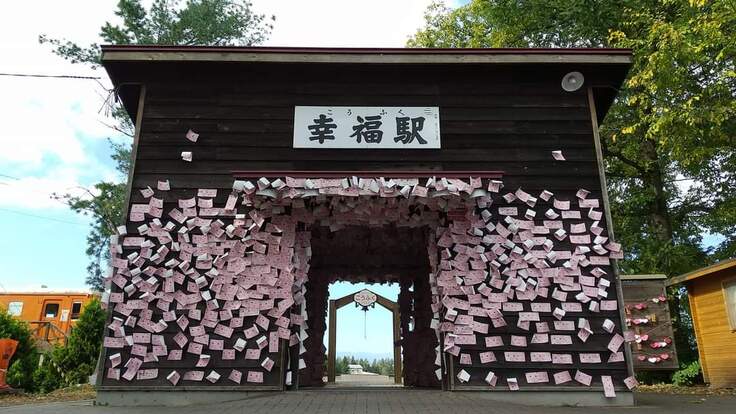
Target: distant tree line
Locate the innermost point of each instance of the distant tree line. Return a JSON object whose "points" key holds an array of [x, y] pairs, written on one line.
{"points": [[382, 366]]}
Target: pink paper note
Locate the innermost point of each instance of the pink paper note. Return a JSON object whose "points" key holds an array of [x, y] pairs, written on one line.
{"points": [[255, 377], [561, 339], [590, 358], [583, 378], [615, 343], [486, 357], [517, 340], [494, 341], [608, 389], [235, 376], [540, 357], [562, 377], [631, 382], [510, 356], [537, 377], [193, 376], [562, 359]]}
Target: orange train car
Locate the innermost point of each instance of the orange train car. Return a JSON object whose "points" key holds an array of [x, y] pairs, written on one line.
{"points": [[51, 314]]}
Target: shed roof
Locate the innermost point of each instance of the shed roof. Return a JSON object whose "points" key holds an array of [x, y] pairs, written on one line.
{"points": [[656, 276], [703, 271]]}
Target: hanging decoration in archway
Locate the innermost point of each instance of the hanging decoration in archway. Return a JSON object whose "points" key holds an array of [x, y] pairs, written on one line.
{"points": [[365, 299]]}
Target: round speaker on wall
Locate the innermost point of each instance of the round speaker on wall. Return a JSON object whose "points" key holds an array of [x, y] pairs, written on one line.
{"points": [[572, 81]]}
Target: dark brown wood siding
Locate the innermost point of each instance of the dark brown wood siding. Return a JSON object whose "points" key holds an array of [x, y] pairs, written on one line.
{"points": [[493, 117]]}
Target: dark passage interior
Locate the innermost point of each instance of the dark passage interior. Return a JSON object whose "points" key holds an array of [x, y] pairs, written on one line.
{"points": [[373, 255]]}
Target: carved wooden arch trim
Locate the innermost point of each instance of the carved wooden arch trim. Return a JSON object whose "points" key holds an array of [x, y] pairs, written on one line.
{"points": [[390, 305]]}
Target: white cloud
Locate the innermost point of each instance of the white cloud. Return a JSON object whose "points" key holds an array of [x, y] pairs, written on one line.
{"points": [[343, 23], [37, 192], [50, 128]]}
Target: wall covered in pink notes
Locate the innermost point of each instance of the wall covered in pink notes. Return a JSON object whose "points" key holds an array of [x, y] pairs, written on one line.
{"points": [[214, 293], [210, 272]]}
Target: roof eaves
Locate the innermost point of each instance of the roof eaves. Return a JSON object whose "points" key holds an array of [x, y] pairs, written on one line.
{"points": [[703, 271], [116, 53]]}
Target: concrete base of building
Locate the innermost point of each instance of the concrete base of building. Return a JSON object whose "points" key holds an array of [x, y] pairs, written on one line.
{"points": [[172, 398], [562, 398], [187, 397]]}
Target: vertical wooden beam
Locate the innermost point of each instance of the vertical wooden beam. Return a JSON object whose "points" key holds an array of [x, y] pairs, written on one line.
{"points": [[397, 346], [126, 209], [609, 223], [332, 343]]}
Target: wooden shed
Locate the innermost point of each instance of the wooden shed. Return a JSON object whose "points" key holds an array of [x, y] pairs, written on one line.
{"points": [[712, 295], [472, 178]]}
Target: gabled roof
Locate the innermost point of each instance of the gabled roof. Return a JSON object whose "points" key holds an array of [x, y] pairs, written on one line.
{"points": [[704, 271]]}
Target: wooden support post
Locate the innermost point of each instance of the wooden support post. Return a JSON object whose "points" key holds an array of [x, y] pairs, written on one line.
{"points": [[397, 347], [332, 343]]}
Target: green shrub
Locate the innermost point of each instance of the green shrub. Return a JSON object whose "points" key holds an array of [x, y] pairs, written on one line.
{"points": [[47, 376], [25, 359], [78, 359], [688, 375]]}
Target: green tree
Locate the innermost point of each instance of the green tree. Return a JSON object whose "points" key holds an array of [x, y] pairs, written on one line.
{"points": [[79, 357], [25, 358], [73, 363], [668, 141], [164, 22]]}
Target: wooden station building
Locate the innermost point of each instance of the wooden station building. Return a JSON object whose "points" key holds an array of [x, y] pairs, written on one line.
{"points": [[471, 177]]}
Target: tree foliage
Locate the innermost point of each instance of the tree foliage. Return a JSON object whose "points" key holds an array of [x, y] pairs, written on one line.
{"points": [[169, 22], [381, 366], [25, 358], [669, 141], [164, 22], [73, 363]]}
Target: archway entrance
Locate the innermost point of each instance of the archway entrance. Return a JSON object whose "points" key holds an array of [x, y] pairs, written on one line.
{"points": [[364, 298], [387, 254]]}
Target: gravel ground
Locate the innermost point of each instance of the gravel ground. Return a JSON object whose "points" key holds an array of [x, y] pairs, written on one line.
{"points": [[76, 393]]}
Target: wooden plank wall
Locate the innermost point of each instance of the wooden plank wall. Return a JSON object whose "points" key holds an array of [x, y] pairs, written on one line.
{"points": [[658, 327], [716, 340], [505, 118]]}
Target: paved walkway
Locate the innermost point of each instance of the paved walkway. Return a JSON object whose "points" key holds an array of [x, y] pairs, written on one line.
{"points": [[392, 402], [363, 380]]}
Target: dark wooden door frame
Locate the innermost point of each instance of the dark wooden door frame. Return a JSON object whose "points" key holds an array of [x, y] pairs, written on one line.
{"points": [[336, 304]]}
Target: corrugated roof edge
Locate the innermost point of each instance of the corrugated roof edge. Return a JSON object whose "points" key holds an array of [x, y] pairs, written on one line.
{"points": [[703, 271], [152, 53]]}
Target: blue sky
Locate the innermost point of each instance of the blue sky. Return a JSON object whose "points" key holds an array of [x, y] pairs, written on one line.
{"points": [[364, 332]]}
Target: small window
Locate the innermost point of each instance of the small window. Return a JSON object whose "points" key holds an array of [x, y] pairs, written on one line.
{"points": [[52, 309], [15, 308], [729, 294], [76, 310]]}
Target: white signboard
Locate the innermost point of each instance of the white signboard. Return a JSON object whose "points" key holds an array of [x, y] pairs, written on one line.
{"points": [[369, 127], [365, 298]]}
